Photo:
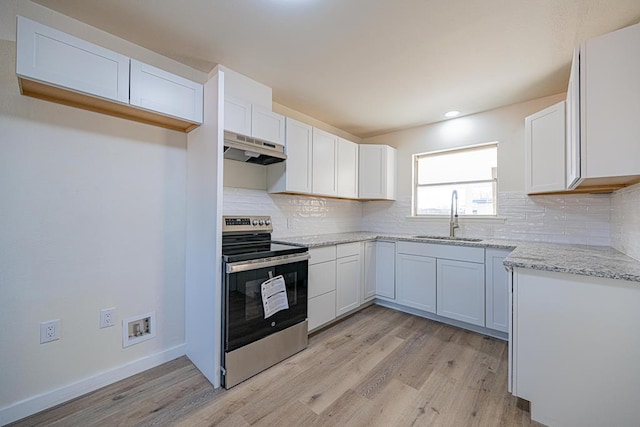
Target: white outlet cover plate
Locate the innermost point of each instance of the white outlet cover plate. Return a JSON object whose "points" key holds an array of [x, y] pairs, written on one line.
{"points": [[107, 317], [49, 331]]}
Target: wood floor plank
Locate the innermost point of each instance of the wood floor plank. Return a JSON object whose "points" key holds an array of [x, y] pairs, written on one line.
{"points": [[320, 396], [376, 367]]}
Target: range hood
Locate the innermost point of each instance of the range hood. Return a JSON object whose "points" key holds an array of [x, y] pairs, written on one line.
{"points": [[252, 150]]}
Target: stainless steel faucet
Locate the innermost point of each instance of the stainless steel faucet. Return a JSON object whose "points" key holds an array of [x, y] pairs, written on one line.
{"points": [[453, 222]]}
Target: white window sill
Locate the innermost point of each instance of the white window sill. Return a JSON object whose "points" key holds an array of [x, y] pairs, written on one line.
{"points": [[469, 218]]}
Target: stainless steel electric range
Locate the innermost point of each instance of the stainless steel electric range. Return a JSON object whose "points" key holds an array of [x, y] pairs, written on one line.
{"points": [[264, 298]]}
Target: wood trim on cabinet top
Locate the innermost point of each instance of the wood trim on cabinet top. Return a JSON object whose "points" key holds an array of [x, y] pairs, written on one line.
{"points": [[87, 102]]}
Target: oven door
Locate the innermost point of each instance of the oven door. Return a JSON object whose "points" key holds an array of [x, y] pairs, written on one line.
{"points": [[245, 320]]}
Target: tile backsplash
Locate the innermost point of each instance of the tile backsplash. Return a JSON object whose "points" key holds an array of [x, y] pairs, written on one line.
{"points": [[577, 219], [295, 215], [625, 220], [591, 219]]}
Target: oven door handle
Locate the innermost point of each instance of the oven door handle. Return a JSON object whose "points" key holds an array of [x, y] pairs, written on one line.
{"points": [[237, 267]]}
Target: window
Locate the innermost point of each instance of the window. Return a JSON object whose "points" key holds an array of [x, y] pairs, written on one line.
{"points": [[471, 171]]}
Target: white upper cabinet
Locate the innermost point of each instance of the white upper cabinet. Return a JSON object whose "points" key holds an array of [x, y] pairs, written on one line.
{"points": [[237, 115], [157, 90], [294, 174], [609, 107], [245, 118], [545, 150], [55, 66], [267, 125], [572, 124], [324, 171], [377, 172], [53, 57], [347, 169]]}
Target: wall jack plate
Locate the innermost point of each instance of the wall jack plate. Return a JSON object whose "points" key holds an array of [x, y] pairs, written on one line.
{"points": [[49, 331], [138, 328], [107, 317]]}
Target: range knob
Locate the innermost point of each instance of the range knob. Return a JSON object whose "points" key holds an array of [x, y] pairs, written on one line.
{"points": [[268, 222], [262, 222], [255, 222]]}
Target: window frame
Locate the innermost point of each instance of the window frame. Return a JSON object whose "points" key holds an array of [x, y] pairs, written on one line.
{"points": [[415, 186]]}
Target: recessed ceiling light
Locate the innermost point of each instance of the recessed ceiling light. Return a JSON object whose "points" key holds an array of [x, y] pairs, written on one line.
{"points": [[450, 114]]}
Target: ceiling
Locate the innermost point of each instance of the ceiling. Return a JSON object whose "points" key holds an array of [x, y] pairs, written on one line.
{"points": [[371, 66]]}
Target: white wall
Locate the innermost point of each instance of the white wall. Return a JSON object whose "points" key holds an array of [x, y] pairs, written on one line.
{"points": [[580, 219], [625, 220], [92, 215], [505, 125]]}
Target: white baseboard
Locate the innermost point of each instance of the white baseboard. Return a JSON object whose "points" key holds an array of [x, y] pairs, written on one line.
{"points": [[37, 403]]}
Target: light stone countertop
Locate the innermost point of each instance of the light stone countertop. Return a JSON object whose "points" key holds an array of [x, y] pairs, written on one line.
{"points": [[598, 261]]}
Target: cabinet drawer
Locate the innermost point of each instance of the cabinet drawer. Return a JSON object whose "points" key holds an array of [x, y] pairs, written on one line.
{"points": [[348, 249], [322, 278], [322, 309], [459, 253], [322, 254]]}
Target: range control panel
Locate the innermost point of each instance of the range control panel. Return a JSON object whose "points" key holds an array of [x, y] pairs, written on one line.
{"points": [[243, 224]]}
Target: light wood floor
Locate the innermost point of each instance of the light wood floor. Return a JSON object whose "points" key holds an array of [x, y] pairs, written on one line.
{"points": [[378, 367]]}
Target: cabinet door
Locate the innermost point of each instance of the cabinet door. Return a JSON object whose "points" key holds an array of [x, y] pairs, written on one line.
{"points": [[348, 284], [51, 56], [572, 119], [267, 125], [610, 86], [237, 115], [385, 256], [497, 291], [416, 281], [298, 166], [544, 150], [157, 90], [461, 291], [347, 169], [369, 282], [324, 176], [372, 171]]}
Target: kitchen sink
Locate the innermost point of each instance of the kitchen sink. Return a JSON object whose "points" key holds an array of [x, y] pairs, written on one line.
{"points": [[455, 239]]}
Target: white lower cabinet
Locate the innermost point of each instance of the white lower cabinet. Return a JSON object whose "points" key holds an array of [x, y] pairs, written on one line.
{"points": [[385, 270], [321, 310], [322, 286], [348, 284], [369, 269], [416, 281], [576, 348], [496, 290], [348, 277], [460, 291], [335, 282]]}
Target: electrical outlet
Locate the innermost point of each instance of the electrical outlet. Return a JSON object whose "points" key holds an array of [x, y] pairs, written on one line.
{"points": [[107, 317], [49, 331]]}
